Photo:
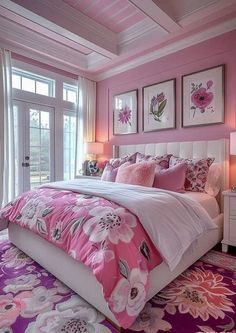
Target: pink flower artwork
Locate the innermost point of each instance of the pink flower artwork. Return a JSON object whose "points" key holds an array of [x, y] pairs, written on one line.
{"points": [[201, 97], [125, 115]]}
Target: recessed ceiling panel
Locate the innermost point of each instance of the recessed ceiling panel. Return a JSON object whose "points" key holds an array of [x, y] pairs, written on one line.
{"points": [[113, 14]]}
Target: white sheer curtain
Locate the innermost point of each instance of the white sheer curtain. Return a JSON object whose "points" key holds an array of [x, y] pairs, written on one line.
{"points": [[7, 151], [86, 117]]}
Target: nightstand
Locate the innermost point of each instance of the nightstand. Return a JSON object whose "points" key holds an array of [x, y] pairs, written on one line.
{"points": [[229, 220], [87, 177]]}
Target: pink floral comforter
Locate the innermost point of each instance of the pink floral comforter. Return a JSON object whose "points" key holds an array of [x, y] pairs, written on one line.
{"points": [[103, 235]]}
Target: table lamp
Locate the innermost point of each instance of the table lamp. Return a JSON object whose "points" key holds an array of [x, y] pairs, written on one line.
{"points": [[93, 149]]}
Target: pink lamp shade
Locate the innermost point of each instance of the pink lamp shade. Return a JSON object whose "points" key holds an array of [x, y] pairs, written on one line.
{"points": [[233, 143], [94, 148]]}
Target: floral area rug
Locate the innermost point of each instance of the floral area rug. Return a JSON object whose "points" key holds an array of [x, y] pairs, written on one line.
{"points": [[202, 299]]}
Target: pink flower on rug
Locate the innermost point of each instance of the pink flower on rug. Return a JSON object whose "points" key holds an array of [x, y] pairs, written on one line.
{"points": [[20, 283], [150, 320], [201, 98], [200, 293], [38, 300], [9, 310], [73, 315], [112, 223], [15, 258], [130, 293]]}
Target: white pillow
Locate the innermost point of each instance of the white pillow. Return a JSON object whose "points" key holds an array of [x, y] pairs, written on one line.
{"points": [[214, 179]]}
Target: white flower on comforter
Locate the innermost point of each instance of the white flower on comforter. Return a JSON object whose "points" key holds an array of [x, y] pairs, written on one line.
{"points": [[34, 209], [130, 294], [107, 222], [74, 315]]}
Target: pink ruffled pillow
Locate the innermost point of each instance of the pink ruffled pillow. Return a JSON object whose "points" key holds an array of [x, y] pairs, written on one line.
{"points": [[116, 162], [162, 161], [171, 179], [196, 174], [136, 174]]}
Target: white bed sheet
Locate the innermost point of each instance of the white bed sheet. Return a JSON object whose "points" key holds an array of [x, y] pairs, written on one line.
{"points": [[208, 202]]}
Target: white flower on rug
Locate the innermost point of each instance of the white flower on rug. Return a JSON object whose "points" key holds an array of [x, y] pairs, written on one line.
{"points": [[129, 293], [71, 316], [35, 209], [15, 258], [38, 300], [150, 320], [61, 287], [19, 283], [112, 223], [6, 330]]}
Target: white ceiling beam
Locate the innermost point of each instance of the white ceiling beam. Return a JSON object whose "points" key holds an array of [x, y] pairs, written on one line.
{"points": [[61, 18], [149, 8]]}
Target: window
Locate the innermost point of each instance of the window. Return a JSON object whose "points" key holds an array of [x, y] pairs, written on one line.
{"points": [[69, 93], [33, 83]]}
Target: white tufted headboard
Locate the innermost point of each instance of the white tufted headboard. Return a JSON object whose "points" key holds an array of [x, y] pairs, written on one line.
{"points": [[219, 149]]}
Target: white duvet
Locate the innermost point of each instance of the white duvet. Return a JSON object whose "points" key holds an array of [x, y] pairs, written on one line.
{"points": [[172, 221]]}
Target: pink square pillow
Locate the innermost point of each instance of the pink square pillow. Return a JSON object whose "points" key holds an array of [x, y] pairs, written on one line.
{"points": [[162, 161], [136, 174], [171, 179], [109, 173], [196, 174]]}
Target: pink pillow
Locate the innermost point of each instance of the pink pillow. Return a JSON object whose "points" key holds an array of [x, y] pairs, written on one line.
{"points": [[136, 174], [171, 179], [196, 174], [162, 161], [109, 173], [116, 162]]}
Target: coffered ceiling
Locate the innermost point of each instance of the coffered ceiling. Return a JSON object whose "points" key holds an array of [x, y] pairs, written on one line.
{"points": [[100, 38]]}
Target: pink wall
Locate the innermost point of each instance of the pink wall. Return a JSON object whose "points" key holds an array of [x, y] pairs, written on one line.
{"points": [[213, 52]]}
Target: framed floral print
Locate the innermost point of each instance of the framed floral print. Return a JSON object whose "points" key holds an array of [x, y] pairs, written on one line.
{"points": [[125, 113], [203, 97], [159, 106]]}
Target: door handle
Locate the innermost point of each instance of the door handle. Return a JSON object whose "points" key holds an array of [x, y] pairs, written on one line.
{"points": [[25, 164]]}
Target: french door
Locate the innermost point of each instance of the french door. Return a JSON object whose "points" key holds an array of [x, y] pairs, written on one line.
{"points": [[34, 144]]}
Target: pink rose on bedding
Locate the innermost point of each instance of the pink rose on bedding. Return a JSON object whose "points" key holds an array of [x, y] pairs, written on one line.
{"points": [[113, 223], [130, 293]]}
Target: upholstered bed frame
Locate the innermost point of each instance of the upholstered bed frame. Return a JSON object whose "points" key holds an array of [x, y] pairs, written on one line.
{"points": [[80, 278]]}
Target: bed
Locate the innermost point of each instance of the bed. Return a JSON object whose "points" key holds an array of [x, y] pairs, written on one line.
{"points": [[65, 268]]}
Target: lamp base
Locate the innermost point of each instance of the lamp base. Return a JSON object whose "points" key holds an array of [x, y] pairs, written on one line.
{"points": [[233, 188]]}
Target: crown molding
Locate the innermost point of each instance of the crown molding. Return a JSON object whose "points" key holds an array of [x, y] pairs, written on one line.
{"points": [[171, 48]]}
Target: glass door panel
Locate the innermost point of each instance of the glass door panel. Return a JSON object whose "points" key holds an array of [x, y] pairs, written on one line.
{"points": [[35, 144]]}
